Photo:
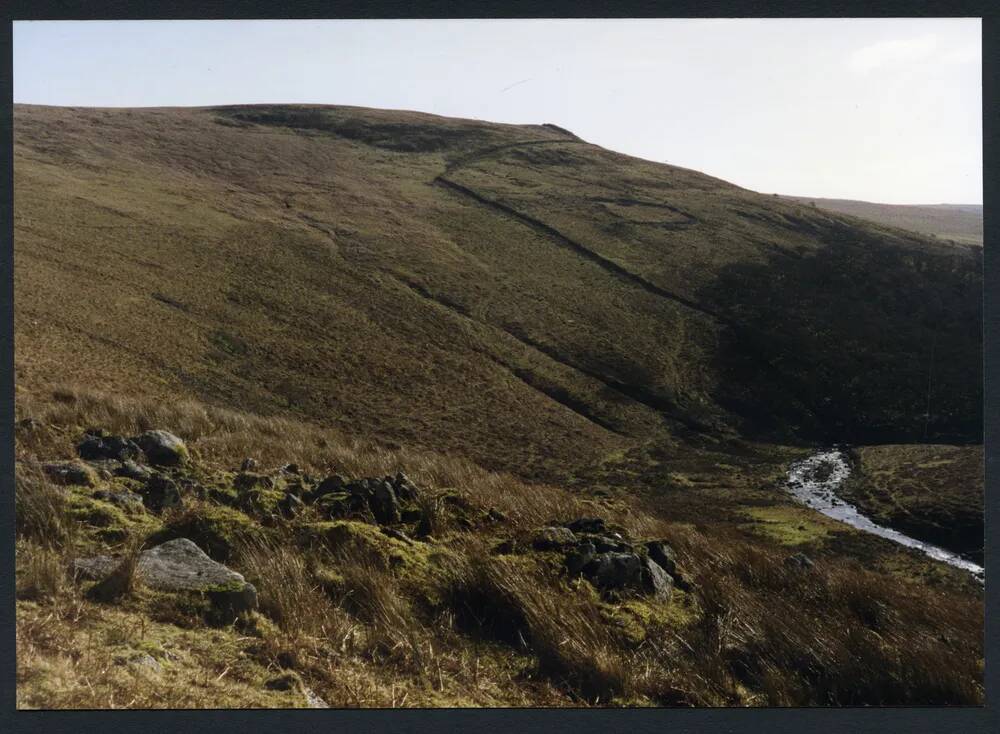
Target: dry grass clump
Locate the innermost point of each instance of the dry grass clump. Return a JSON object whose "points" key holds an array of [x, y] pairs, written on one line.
{"points": [[289, 593], [518, 604], [41, 510], [124, 579], [831, 635]]}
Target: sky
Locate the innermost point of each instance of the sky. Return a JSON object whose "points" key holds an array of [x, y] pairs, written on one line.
{"points": [[885, 110]]}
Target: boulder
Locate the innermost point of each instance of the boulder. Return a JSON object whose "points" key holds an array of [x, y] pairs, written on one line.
{"points": [[383, 503], [552, 537], [95, 448], [610, 543], [70, 472], [663, 555], [616, 571], [162, 448], [587, 525], [248, 465], [580, 557], [331, 484], [160, 493], [131, 470], [179, 565], [655, 580]]}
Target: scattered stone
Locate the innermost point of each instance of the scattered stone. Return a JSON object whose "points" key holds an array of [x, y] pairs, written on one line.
{"points": [[95, 448], [162, 448], [160, 493], [70, 472], [551, 538], [131, 470], [587, 525], [180, 565], [799, 561], [143, 661]]}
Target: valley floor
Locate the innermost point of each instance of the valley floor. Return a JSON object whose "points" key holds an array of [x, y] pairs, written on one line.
{"points": [[678, 574]]}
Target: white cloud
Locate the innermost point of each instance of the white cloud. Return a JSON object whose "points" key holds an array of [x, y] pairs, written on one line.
{"points": [[893, 53]]}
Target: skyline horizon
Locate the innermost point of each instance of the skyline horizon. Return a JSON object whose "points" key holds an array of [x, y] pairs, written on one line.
{"points": [[479, 119], [878, 110]]}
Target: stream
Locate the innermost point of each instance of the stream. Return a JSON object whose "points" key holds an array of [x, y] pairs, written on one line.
{"points": [[813, 482]]}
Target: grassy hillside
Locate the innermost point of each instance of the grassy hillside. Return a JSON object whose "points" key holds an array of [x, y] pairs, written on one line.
{"points": [[537, 331], [957, 223]]}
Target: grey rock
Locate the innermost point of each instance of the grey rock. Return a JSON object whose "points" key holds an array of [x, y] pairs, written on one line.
{"points": [[663, 555], [655, 580], [587, 525], [616, 571], [248, 465], [143, 661], [331, 484], [132, 470], [180, 565], [579, 557], [312, 700], [160, 493], [383, 503], [608, 544], [553, 537], [69, 472], [162, 448], [124, 499], [118, 448]]}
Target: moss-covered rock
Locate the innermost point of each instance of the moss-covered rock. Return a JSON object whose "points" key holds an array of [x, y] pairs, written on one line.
{"points": [[217, 529]]}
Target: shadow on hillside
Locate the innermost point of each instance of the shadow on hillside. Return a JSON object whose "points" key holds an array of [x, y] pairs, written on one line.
{"points": [[865, 333]]}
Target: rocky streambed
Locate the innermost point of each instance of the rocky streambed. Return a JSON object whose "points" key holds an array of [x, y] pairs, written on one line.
{"points": [[814, 482]]}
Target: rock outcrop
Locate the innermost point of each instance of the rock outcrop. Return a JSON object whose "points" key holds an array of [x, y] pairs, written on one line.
{"points": [[181, 566]]}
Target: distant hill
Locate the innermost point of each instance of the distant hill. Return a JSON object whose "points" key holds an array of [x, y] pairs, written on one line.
{"points": [[572, 353], [962, 223], [551, 297]]}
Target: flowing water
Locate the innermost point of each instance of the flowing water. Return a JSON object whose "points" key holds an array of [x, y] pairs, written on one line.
{"points": [[814, 482]]}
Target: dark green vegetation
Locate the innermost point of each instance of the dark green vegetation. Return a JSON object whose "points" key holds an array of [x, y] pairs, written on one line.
{"points": [[958, 223], [362, 291]]}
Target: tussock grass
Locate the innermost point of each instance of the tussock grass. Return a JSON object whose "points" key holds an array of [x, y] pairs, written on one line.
{"points": [[456, 625]]}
